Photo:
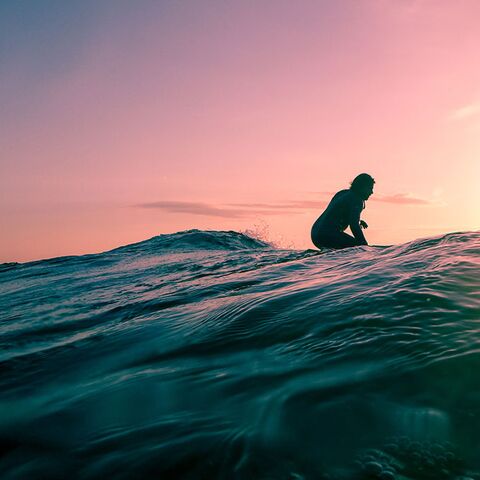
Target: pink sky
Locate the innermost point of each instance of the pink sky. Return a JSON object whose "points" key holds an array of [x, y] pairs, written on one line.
{"points": [[131, 119]]}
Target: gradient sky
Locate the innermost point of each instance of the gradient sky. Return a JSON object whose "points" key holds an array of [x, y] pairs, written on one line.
{"points": [[120, 120]]}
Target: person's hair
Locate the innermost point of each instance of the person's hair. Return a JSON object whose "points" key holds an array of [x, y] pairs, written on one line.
{"points": [[361, 181]]}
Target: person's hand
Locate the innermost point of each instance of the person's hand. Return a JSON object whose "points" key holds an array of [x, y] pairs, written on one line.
{"points": [[363, 224]]}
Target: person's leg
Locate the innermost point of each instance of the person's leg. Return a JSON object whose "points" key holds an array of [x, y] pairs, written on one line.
{"points": [[344, 240], [333, 240]]}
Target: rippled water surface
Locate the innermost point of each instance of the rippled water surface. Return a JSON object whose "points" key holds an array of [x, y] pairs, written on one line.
{"points": [[213, 355]]}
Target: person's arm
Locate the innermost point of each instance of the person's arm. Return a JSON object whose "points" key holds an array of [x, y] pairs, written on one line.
{"points": [[354, 222]]}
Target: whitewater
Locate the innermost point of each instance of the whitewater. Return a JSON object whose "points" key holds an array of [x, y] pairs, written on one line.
{"points": [[213, 355]]}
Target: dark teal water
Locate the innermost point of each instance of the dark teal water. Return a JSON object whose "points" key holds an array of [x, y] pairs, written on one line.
{"points": [[213, 355]]}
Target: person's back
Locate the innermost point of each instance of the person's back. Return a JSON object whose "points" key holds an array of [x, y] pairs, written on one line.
{"points": [[336, 215], [344, 210]]}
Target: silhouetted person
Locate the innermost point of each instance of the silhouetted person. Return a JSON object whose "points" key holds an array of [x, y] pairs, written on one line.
{"points": [[344, 210]]}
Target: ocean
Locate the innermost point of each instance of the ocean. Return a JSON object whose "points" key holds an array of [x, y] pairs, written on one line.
{"points": [[214, 355]]}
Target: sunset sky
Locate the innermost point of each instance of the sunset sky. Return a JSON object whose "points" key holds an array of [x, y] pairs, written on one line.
{"points": [[121, 120]]}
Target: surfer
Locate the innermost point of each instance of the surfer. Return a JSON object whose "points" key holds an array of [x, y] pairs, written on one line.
{"points": [[344, 210]]}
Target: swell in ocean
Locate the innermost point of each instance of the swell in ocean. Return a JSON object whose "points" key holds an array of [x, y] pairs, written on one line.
{"points": [[207, 354]]}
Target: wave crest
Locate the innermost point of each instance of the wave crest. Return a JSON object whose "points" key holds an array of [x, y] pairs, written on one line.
{"points": [[189, 240]]}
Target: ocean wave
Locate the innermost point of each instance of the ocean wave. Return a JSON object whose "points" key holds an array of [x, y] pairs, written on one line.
{"points": [[191, 240], [212, 354]]}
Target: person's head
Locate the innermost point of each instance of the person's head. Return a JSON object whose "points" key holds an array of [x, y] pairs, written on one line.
{"points": [[362, 185]]}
